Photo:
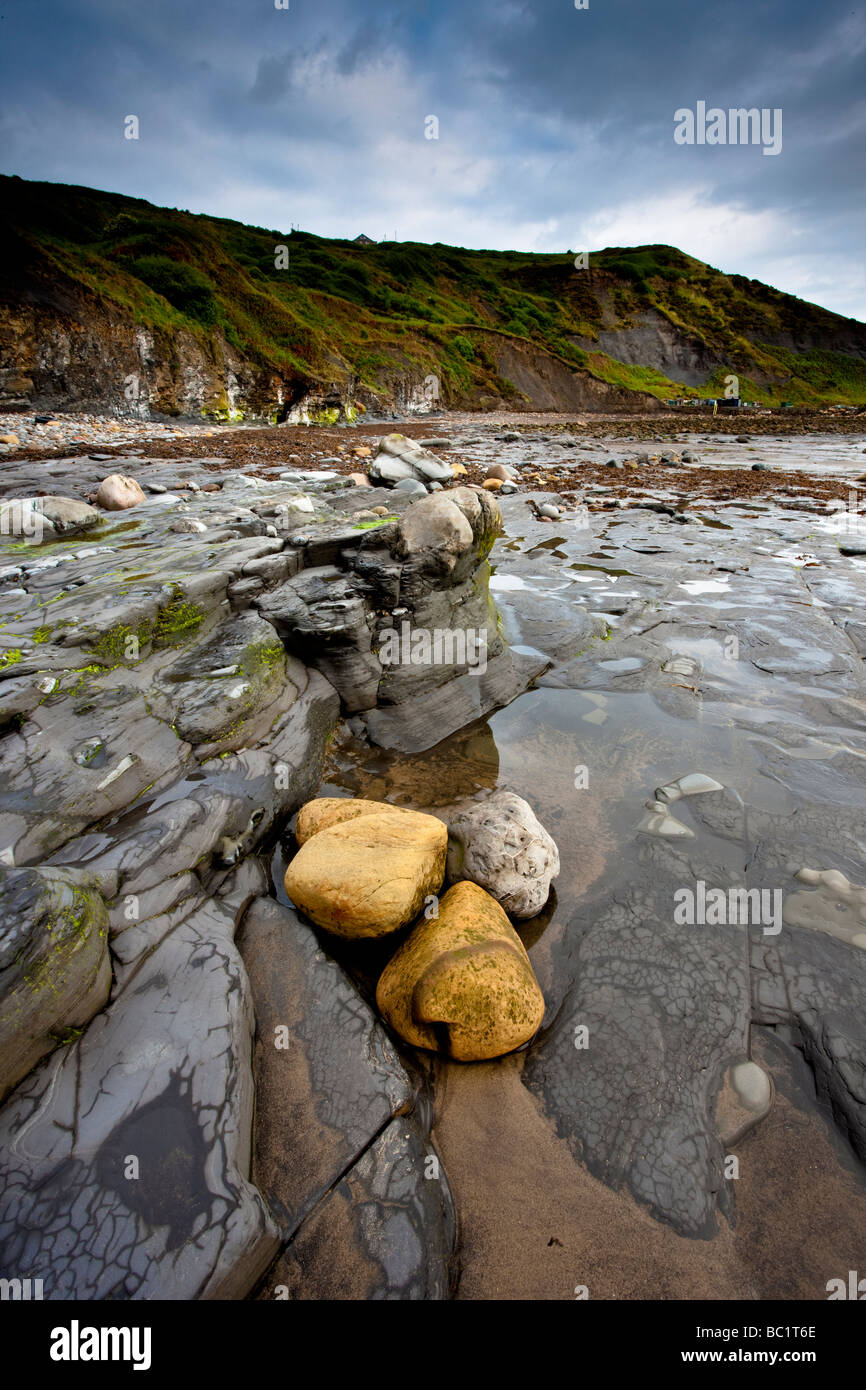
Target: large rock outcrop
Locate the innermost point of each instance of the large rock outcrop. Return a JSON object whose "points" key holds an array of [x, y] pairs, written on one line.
{"points": [[151, 736], [400, 620], [54, 967], [342, 1148]]}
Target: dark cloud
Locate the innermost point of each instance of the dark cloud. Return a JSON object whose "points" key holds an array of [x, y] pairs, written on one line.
{"points": [[272, 78]]}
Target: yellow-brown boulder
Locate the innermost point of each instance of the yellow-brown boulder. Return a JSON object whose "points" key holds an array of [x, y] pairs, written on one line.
{"points": [[462, 983], [365, 868], [326, 811]]}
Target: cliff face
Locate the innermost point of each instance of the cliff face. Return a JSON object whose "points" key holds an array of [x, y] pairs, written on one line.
{"points": [[653, 341], [549, 384], [86, 357], [108, 302], [64, 345]]}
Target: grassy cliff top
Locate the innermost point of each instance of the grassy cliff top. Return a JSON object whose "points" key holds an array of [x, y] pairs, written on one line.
{"points": [[323, 310]]}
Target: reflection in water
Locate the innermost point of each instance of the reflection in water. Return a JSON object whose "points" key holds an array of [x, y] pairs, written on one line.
{"points": [[587, 782], [461, 766]]}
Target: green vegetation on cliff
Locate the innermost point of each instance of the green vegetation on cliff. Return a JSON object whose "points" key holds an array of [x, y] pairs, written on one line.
{"points": [[316, 312]]}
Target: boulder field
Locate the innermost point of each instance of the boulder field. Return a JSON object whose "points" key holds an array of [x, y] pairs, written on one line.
{"points": [[461, 983]]}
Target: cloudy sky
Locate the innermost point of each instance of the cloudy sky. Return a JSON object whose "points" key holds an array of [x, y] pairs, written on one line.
{"points": [[555, 125]]}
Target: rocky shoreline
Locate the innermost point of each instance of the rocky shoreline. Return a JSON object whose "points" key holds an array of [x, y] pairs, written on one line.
{"points": [[205, 1097]]}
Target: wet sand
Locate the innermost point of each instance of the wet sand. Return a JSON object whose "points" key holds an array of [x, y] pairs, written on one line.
{"points": [[535, 1224]]}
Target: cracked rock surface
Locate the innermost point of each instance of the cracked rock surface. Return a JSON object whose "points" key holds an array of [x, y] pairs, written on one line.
{"points": [[158, 726], [341, 1143], [126, 1157], [236, 1120]]}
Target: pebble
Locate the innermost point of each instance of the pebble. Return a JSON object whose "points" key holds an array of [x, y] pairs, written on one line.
{"points": [[56, 432], [752, 1085], [692, 784]]}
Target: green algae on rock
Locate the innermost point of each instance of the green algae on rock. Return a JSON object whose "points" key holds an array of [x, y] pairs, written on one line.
{"points": [[54, 966]]}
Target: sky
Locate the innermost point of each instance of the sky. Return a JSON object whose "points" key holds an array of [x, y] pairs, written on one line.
{"points": [[555, 125]]}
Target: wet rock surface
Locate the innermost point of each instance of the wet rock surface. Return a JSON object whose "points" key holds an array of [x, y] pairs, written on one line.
{"points": [[54, 968], [699, 723], [342, 1131], [126, 1158], [694, 727], [384, 1233], [742, 652]]}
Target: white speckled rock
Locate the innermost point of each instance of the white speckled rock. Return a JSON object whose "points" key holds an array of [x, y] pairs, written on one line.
{"points": [[500, 845]]}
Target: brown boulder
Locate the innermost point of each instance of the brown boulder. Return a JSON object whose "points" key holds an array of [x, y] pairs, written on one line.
{"points": [[364, 869], [117, 492], [462, 983]]}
